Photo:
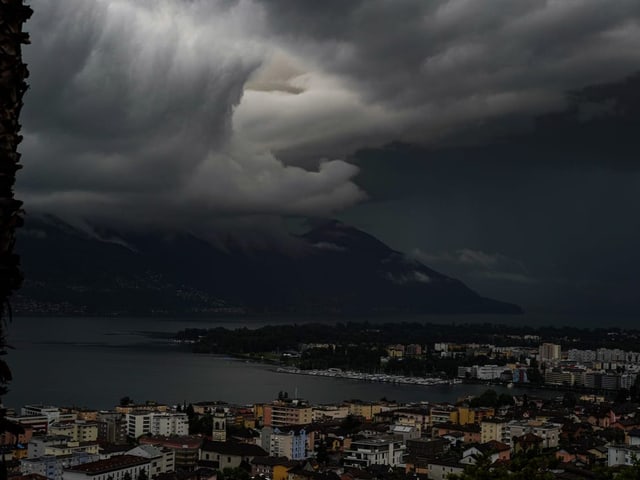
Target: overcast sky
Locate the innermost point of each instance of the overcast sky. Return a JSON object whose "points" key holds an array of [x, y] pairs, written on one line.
{"points": [[443, 127]]}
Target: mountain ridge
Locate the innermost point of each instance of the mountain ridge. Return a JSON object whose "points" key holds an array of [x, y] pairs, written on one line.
{"points": [[332, 269]]}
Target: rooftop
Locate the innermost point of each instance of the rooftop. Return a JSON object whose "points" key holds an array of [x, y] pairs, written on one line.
{"points": [[117, 462], [233, 448]]}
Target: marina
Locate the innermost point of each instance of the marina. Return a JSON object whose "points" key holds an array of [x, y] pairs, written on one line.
{"points": [[371, 377]]}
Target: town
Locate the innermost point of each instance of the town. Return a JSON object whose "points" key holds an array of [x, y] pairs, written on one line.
{"points": [[568, 437], [582, 360]]}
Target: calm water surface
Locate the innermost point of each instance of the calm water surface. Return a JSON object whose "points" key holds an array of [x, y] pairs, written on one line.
{"points": [[94, 362]]}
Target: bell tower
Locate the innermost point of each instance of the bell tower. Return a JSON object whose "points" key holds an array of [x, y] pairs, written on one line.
{"points": [[219, 433]]}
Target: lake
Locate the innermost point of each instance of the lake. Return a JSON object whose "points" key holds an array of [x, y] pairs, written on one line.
{"points": [[93, 362]]}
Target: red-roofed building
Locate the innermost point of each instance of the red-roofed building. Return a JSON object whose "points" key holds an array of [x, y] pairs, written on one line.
{"points": [[112, 468]]}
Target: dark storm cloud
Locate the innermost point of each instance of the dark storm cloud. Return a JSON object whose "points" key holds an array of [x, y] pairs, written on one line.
{"points": [[130, 114], [188, 108], [446, 65], [182, 111], [413, 51], [545, 229]]}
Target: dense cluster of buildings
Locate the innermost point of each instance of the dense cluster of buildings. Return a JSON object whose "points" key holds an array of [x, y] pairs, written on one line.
{"points": [[291, 439], [601, 369]]}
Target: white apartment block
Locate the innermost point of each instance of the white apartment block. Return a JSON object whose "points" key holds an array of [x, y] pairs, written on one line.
{"points": [[52, 413], [375, 451], [153, 423], [622, 454]]}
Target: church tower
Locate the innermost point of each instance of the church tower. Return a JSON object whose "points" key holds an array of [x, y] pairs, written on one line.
{"points": [[219, 433]]}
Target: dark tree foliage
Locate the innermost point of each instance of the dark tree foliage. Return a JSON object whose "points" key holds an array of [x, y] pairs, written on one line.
{"points": [[283, 337], [350, 424], [322, 454], [234, 474], [522, 467], [201, 424], [13, 72], [533, 466]]}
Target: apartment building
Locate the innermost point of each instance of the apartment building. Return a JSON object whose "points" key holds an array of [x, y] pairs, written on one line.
{"points": [[283, 412], [290, 443], [549, 432], [622, 455], [58, 445], [494, 429], [78, 430], [112, 427], [375, 451], [186, 448], [53, 414], [549, 353], [442, 413], [329, 412], [52, 467], [153, 423], [366, 410]]}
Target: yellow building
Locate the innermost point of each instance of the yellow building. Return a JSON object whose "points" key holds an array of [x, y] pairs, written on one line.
{"points": [[285, 412], [364, 409], [442, 414], [280, 472], [465, 415], [82, 413], [276, 468], [395, 351], [493, 429], [258, 411], [79, 431]]}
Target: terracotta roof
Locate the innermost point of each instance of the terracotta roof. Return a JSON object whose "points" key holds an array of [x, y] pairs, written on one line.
{"points": [[110, 464], [497, 446], [30, 476]]}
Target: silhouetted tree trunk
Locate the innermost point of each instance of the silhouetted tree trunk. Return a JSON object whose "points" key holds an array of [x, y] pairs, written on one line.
{"points": [[13, 14]]}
